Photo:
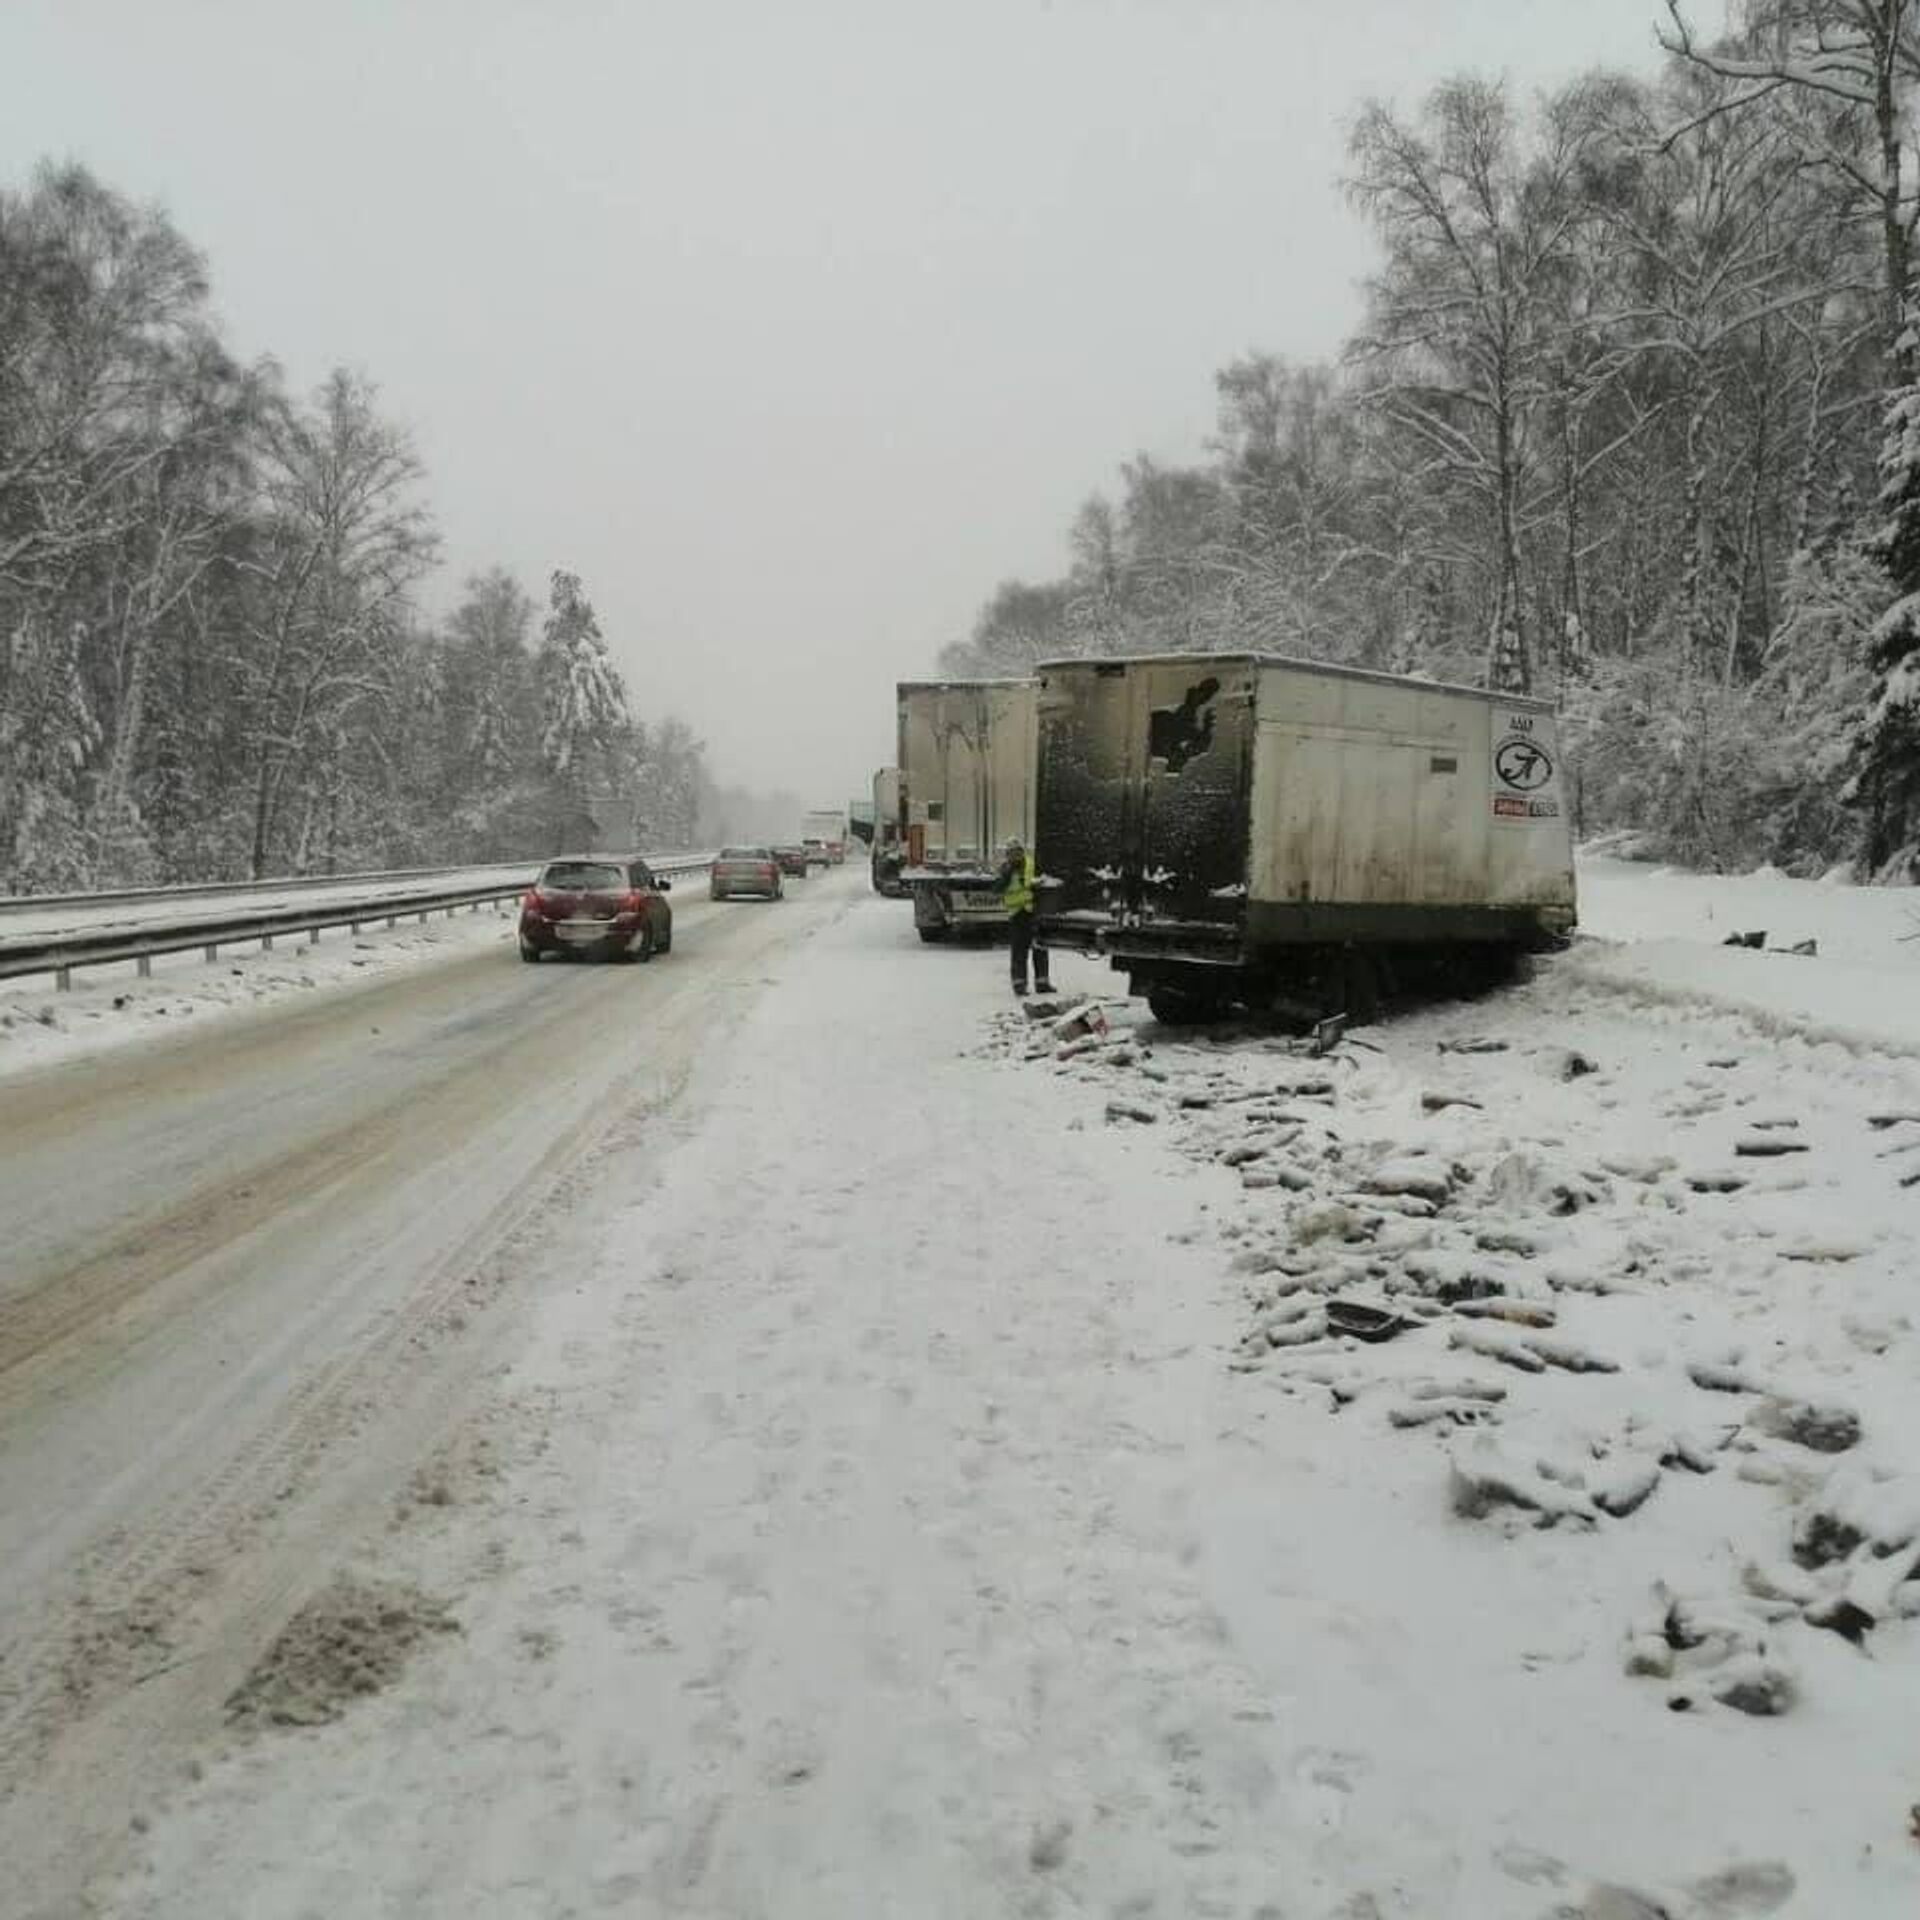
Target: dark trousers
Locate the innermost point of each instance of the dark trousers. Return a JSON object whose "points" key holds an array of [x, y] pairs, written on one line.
{"points": [[1020, 932]]}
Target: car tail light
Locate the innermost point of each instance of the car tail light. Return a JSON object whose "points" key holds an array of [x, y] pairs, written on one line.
{"points": [[533, 903], [634, 903]]}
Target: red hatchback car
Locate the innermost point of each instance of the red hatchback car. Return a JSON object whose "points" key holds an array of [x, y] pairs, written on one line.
{"points": [[602, 904]]}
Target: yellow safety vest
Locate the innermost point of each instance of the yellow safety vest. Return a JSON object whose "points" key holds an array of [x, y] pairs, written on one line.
{"points": [[1019, 894]]}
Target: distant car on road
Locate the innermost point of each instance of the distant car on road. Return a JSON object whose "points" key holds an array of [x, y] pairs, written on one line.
{"points": [[792, 860], [817, 852], [610, 905], [739, 870]]}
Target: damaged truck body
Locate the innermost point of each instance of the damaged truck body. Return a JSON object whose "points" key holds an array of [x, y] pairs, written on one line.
{"points": [[1243, 830], [965, 786]]}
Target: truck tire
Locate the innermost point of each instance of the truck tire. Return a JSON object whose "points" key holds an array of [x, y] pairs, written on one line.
{"points": [[1179, 1007]]}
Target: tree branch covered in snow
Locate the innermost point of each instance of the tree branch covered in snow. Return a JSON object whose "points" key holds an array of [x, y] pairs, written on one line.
{"points": [[213, 656], [1609, 426]]}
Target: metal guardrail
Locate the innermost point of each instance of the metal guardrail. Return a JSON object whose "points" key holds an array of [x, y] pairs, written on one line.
{"points": [[190, 889], [61, 953]]}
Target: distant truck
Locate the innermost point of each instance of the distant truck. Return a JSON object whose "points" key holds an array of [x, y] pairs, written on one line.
{"points": [[1242, 830], [827, 825], [888, 852], [966, 785]]}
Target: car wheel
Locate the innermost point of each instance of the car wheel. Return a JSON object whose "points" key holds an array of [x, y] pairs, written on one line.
{"points": [[642, 949], [529, 953]]}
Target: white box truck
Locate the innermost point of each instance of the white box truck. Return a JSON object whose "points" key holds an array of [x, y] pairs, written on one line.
{"points": [[1237, 829], [966, 763], [826, 827]]}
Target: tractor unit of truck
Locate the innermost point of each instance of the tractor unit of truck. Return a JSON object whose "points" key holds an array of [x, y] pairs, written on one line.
{"points": [[965, 787], [1238, 830]]}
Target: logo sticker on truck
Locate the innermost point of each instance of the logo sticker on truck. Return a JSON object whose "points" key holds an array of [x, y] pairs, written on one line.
{"points": [[1525, 780]]}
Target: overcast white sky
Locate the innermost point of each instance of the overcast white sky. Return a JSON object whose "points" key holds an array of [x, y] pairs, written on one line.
{"points": [[791, 325]]}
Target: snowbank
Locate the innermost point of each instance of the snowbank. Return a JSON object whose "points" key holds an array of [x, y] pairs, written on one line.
{"points": [[41, 1026], [1663, 932]]}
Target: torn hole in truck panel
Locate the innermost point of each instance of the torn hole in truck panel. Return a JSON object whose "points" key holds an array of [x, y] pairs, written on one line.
{"points": [[1184, 731]]}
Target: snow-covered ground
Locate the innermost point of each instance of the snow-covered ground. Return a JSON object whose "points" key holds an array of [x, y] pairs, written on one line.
{"points": [[24, 917], [1665, 931], [929, 1481], [107, 1007]]}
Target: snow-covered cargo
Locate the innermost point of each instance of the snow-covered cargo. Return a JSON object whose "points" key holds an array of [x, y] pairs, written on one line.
{"points": [[1239, 827], [966, 761]]}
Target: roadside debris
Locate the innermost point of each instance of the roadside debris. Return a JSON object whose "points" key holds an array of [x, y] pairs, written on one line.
{"points": [[1401, 1236]]}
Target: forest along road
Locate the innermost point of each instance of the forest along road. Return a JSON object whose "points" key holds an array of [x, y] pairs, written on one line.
{"points": [[232, 1267]]}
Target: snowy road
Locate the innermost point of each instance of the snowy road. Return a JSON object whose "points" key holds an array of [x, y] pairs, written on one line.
{"points": [[230, 1268], [878, 1480]]}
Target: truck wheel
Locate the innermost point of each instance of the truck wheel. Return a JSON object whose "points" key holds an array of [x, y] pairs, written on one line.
{"points": [[933, 936], [1176, 1007]]}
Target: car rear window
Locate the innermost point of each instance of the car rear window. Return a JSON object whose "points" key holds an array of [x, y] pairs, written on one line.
{"points": [[744, 853], [583, 876]]}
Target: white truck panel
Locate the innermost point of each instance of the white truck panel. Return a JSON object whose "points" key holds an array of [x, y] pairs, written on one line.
{"points": [[966, 773], [1368, 792], [886, 806]]}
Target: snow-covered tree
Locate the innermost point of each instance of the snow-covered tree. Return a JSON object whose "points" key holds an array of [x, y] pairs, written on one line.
{"points": [[1477, 216], [48, 733], [344, 540], [1884, 767], [584, 697]]}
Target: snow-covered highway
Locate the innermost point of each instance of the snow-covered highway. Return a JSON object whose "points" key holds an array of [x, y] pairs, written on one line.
{"points": [[231, 1269], [764, 1437]]}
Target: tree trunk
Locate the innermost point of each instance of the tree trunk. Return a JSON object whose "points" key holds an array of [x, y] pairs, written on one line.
{"points": [[1893, 226], [1509, 666]]}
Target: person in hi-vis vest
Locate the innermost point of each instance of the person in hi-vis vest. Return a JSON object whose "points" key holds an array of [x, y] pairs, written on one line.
{"points": [[1016, 877]]}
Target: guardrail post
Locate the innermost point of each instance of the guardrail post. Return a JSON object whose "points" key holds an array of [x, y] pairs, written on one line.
{"points": [[266, 943], [313, 936], [393, 920], [63, 978], [143, 966], [213, 951]]}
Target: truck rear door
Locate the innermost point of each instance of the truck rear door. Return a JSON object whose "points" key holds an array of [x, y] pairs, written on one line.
{"points": [[1193, 732], [1143, 790], [1082, 813]]}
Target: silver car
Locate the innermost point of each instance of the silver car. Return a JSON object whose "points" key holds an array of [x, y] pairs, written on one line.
{"points": [[739, 870]]}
